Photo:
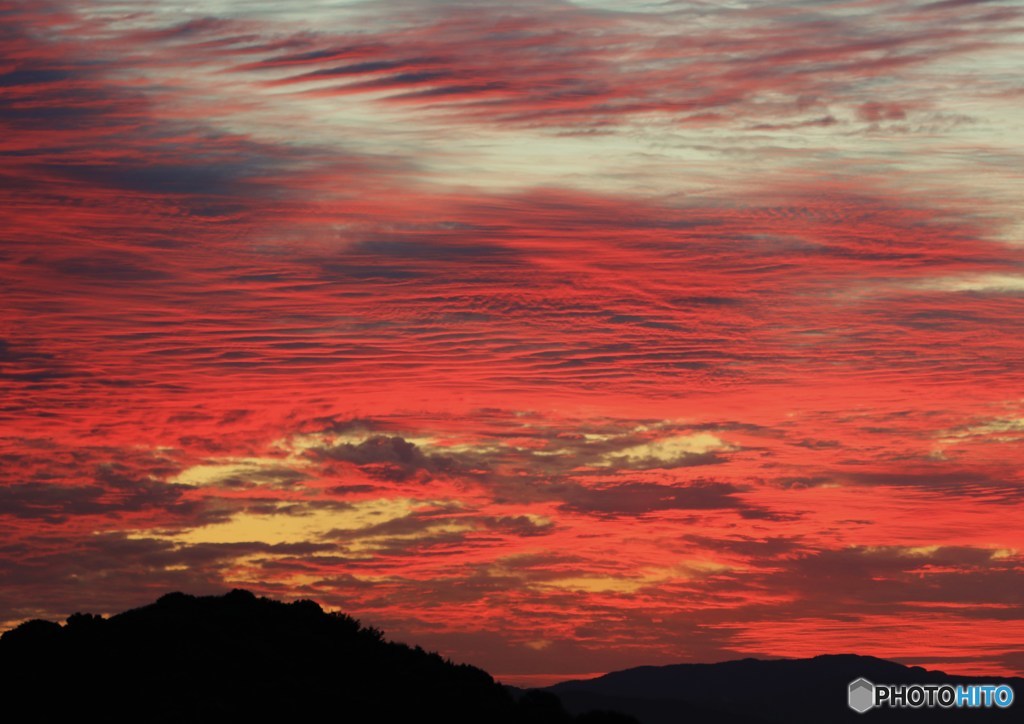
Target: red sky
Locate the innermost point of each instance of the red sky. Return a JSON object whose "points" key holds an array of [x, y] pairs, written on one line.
{"points": [[559, 337]]}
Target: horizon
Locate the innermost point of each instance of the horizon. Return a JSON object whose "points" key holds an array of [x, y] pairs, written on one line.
{"points": [[555, 337], [523, 681]]}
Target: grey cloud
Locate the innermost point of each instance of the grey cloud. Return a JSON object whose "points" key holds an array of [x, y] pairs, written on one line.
{"points": [[639, 498], [392, 458]]}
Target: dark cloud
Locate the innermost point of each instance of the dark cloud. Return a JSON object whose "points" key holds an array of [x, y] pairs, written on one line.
{"points": [[391, 458], [894, 578], [222, 174], [111, 268], [639, 498], [100, 573], [55, 503], [516, 525], [765, 549], [367, 67], [942, 481], [422, 530]]}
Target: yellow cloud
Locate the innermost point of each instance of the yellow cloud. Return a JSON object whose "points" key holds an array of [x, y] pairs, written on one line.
{"points": [[285, 526], [668, 449], [686, 570], [264, 470]]}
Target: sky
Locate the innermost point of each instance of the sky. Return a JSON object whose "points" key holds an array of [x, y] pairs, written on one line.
{"points": [[558, 337]]}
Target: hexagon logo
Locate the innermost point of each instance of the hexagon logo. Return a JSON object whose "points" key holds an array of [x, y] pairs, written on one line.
{"points": [[861, 695]]}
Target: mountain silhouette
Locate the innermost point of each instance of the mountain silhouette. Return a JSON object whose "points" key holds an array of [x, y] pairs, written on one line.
{"points": [[239, 658], [786, 691]]}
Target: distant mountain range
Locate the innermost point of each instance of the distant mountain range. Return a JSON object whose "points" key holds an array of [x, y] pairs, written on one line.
{"points": [[786, 691], [239, 658]]}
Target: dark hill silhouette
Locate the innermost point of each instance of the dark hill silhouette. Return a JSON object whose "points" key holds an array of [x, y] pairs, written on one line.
{"points": [[239, 658], [752, 691]]}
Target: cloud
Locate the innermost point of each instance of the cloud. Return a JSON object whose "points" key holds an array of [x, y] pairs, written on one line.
{"points": [[242, 472], [874, 111], [391, 458], [639, 498], [584, 66], [115, 490], [291, 523], [682, 450]]}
